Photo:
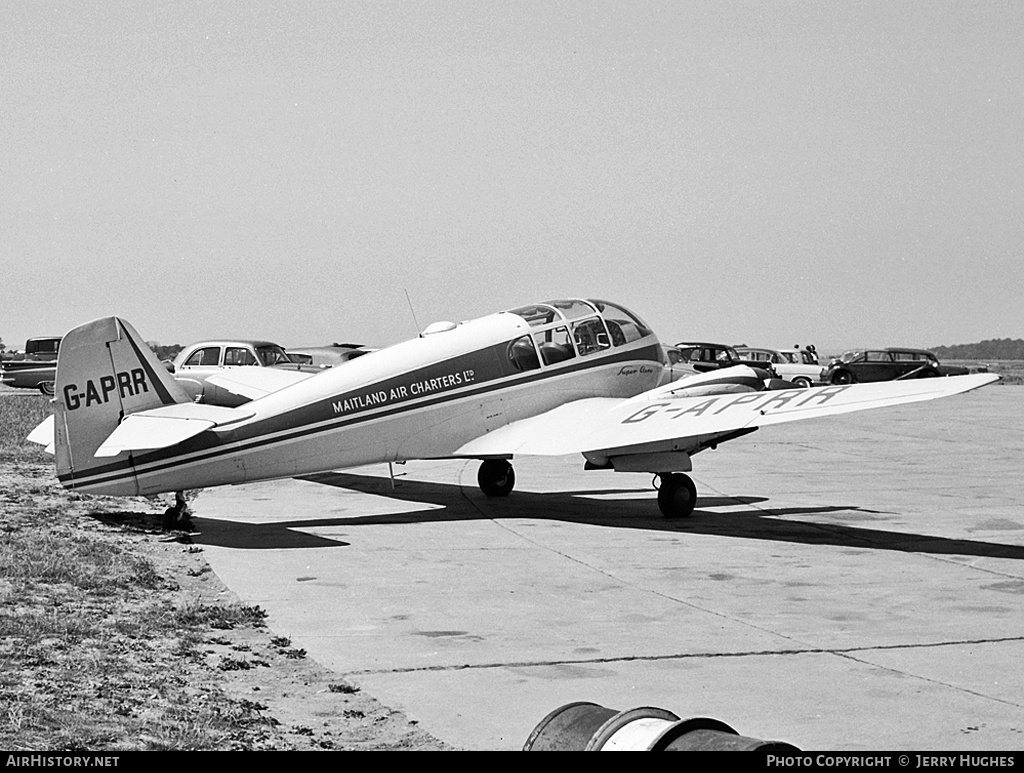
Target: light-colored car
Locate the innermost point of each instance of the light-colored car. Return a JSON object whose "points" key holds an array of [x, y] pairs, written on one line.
{"points": [[197, 362], [796, 365]]}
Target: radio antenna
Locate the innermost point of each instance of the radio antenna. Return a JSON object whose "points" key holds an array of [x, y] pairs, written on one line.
{"points": [[412, 311]]}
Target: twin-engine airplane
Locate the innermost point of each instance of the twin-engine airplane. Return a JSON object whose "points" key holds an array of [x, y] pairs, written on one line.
{"points": [[568, 376]]}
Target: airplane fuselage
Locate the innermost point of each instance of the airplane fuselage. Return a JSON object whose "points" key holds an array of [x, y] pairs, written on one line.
{"points": [[421, 399]]}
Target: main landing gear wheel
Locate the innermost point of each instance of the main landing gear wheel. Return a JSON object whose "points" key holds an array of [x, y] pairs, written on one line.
{"points": [[677, 495], [496, 477]]}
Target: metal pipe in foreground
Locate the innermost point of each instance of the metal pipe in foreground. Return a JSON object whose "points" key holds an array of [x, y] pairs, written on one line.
{"points": [[590, 727]]}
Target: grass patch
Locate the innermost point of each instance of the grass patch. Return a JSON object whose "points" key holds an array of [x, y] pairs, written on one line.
{"points": [[98, 649], [223, 617], [19, 415], [79, 561]]}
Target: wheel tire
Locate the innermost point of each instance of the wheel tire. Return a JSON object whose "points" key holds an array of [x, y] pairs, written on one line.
{"points": [[677, 495], [47, 388], [842, 377], [801, 382], [496, 477]]}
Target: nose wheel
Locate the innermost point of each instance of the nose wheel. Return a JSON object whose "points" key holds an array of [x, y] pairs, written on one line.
{"points": [[496, 477], [677, 495]]}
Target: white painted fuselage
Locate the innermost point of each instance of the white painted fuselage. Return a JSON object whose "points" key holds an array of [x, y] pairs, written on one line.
{"points": [[421, 399]]}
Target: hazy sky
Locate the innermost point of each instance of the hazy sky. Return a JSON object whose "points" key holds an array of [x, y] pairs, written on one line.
{"points": [[844, 173]]}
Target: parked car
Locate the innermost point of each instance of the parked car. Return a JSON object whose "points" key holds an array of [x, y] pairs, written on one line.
{"points": [[796, 365], [36, 368], [677, 367], [197, 362], [863, 365], [327, 356], [705, 356]]}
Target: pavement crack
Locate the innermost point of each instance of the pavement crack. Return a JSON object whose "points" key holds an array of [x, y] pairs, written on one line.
{"points": [[844, 652]]}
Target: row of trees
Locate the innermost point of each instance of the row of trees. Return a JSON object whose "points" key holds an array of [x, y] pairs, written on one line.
{"points": [[992, 349], [164, 352]]}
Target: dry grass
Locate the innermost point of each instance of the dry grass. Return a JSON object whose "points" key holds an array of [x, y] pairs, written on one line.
{"points": [[1012, 371], [113, 637], [20, 412]]}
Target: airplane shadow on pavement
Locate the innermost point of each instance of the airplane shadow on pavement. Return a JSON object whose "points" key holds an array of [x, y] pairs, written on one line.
{"points": [[452, 502]]}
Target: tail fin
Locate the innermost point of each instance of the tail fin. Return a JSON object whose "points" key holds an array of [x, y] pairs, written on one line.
{"points": [[105, 371]]}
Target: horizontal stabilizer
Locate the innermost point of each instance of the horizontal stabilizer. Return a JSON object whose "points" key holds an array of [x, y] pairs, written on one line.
{"points": [[43, 434], [166, 426], [253, 382]]}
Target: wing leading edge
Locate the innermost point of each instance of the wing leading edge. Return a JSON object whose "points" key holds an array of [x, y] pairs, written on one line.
{"points": [[653, 422]]}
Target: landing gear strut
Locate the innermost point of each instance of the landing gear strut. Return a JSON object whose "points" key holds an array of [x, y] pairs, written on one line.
{"points": [[677, 495], [496, 477], [179, 516]]}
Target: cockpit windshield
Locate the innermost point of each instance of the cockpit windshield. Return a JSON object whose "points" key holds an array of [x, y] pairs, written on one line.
{"points": [[624, 326], [572, 308]]}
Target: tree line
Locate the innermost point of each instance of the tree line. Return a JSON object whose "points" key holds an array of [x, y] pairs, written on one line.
{"points": [[992, 349]]}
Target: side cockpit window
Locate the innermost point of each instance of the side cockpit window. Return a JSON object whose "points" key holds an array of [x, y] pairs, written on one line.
{"points": [[554, 345], [522, 354]]}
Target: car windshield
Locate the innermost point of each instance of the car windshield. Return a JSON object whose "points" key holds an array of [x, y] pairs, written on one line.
{"points": [[272, 354], [850, 356]]}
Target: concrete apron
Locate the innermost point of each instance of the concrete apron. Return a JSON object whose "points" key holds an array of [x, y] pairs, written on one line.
{"points": [[844, 584]]}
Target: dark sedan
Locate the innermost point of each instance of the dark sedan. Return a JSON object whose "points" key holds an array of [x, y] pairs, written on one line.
{"points": [[892, 364], [703, 356]]}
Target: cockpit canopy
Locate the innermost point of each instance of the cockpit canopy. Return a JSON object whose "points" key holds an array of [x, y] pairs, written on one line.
{"points": [[564, 329]]}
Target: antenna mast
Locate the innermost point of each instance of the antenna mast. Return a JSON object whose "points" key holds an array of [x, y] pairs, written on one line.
{"points": [[412, 311]]}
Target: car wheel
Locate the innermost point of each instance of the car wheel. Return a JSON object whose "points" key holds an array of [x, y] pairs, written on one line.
{"points": [[47, 388], [842, 377], [801, 382]]}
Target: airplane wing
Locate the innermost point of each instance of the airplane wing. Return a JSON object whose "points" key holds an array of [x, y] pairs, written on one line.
{"points": [[257, 382], [657, 423], [166, 426]]}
